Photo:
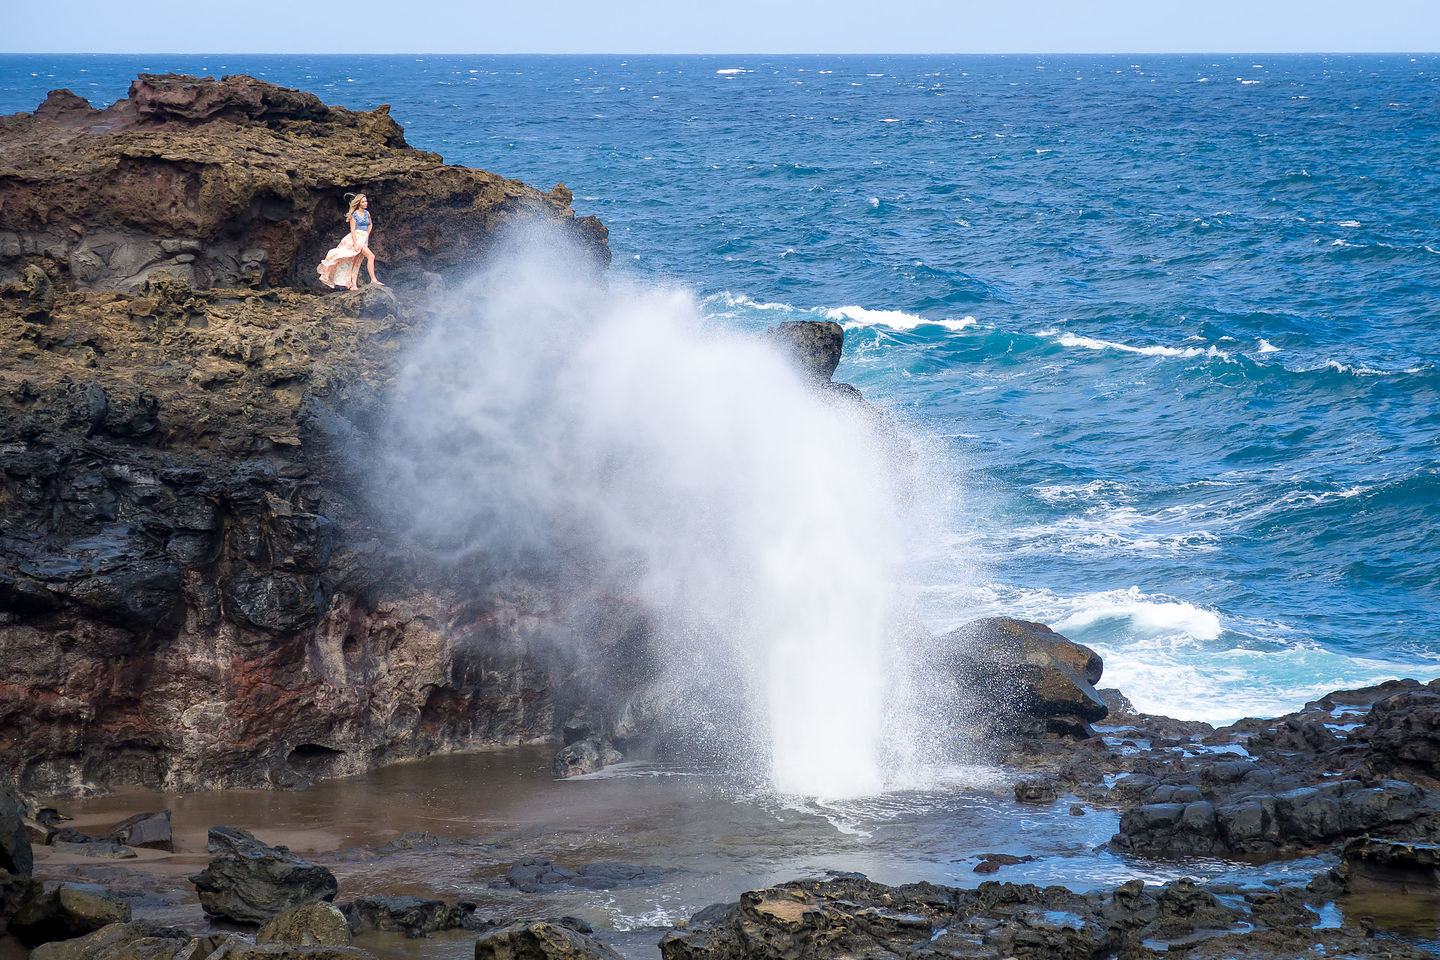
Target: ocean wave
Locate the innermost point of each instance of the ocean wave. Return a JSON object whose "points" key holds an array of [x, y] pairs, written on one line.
{"points": [[854, 316]]}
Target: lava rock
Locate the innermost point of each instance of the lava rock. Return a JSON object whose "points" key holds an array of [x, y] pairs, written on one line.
{"points": [[1369, 864], [250, 882], [814, 345], [1026, 678], [540, 941], [312, 924]]}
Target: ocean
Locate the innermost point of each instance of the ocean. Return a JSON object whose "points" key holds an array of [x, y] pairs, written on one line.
{"points": [[1165, 329]]}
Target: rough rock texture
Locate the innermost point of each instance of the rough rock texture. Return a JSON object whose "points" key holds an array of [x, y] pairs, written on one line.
{"points": [[136, 940], [191, 593], [250, 882], [540, 941], [853, 917], [67, 910], [237, 182], [312, 924], [1024, 679], [413, 916]]}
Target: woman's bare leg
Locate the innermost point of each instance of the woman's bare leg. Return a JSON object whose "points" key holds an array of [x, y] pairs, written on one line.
{"points": [[370, 262]]}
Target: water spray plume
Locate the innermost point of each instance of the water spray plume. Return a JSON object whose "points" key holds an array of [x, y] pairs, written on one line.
{"points": [[567, 425]]}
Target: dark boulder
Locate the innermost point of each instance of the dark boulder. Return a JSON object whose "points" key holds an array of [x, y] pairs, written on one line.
{"points": [[1402, 734], [1024, 678], [250, 882], [540, 941], [813, 345], [15, 853]]}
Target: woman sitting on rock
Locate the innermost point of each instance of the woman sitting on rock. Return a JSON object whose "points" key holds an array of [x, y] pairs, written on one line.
{"points": [[341, 266]]}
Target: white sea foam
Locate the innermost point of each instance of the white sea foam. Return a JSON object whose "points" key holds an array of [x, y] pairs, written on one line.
{"points": [[730, 71], [853, 316], [1267, 347], [1157, 350], [1347, 223]]}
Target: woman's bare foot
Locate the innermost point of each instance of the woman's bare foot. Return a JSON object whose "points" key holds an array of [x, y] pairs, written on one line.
{"points": [[352, 287], [376, 282]]}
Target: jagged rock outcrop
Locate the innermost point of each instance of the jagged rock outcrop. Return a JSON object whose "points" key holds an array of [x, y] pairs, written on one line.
{"points": [[252, 882], [192, 591], [238, 182]]}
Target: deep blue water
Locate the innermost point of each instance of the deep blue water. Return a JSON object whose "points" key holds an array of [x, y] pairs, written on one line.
{"points": [[1169, 324]]}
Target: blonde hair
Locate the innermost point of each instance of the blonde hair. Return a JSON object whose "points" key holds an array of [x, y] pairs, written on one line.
{"points": [[354, 199]]}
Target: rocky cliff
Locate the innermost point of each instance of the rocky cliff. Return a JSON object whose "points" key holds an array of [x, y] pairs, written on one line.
{"points": [[237, 182], [190, 594]]}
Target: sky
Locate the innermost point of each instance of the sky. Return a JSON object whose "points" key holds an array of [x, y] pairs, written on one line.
{"points": [[721, 26]]}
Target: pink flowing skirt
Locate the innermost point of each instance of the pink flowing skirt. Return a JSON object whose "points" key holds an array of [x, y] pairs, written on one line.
{"points": [[341, 266]]}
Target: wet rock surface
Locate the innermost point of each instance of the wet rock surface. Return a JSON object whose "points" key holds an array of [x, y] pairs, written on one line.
{"points": [[251, 882], [538, 876], [540, 941], [851, 916], [415, 917], [183, 444]]}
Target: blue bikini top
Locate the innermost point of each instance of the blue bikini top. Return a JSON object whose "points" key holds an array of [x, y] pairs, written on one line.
{"points": [[362, 219]]}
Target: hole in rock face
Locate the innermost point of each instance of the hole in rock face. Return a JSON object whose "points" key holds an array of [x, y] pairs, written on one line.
{"points": [[314, 754]]}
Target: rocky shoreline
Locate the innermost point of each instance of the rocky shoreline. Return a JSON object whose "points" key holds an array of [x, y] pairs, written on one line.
{"points": [[194, 595]]}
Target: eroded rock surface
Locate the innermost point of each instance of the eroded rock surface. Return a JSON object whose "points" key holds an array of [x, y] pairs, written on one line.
{"points": [[252, 882]]}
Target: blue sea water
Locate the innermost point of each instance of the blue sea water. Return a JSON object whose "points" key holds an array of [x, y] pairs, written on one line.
{"points": [[1170, 324]]}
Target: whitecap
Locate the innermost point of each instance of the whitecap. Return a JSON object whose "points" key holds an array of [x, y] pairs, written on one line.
{"points": [[1347, 223], [1142, 613], [1267, 347], [855, 316], [1157, 350], [729, 71]]}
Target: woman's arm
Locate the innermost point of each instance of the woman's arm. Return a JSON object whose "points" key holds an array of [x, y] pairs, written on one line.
{"points": [[350, 219]]}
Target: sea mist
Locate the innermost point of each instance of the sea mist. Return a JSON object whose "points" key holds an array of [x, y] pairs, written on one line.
{"points": [[569, 427]]}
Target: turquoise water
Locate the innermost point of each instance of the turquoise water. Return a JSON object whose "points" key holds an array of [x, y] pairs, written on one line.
{"points": [[1166, 327]]}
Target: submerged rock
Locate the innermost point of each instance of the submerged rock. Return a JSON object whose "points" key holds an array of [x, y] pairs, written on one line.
{"points": [[585, 756], [540, 941], [413, 916], [250, 882]]}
